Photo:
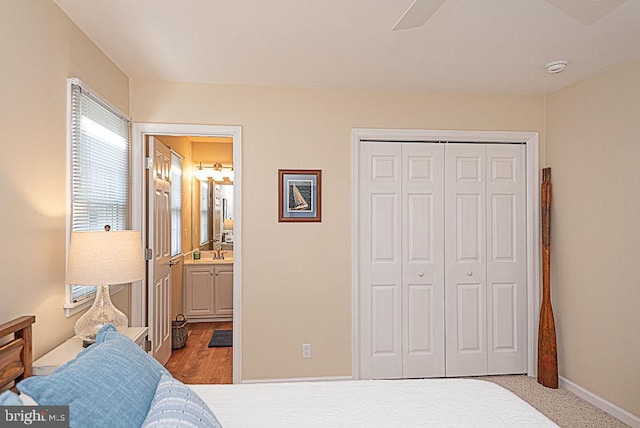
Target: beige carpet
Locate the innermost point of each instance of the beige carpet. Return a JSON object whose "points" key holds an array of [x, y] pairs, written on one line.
{"points": [[561, 406]]}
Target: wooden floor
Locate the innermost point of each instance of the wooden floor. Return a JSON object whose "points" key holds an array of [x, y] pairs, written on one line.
{"points": [[196, 362]]}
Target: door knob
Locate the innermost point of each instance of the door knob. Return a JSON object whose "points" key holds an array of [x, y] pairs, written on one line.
{"points": [[469, 273], [420, 274]]}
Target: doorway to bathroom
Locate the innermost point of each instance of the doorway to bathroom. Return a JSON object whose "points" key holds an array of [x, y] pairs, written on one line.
{"points": [[202, 279]]}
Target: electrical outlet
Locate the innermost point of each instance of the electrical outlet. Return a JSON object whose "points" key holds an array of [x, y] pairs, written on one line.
{"points": [[306, 350]]}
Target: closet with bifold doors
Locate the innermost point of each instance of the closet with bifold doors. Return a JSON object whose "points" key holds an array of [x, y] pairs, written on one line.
{"points": [[442, 255]]}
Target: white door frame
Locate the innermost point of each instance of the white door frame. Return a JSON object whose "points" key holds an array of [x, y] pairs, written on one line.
{"points": [[139, 222], [531, 139]]}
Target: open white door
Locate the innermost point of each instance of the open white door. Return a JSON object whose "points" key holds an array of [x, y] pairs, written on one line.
{"points": [[159, 243]]}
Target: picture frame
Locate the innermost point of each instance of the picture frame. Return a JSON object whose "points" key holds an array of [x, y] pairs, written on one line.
{"points": [[299, 195]]}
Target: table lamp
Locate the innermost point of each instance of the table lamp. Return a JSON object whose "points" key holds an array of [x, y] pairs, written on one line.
{"points": [[227, 227], [101, 259]]}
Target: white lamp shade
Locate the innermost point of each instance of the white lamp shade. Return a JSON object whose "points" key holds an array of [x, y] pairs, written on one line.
{"points": [[227, 224], [105, 258]]}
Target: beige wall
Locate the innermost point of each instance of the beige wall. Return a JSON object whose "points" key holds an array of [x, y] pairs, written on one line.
{"points": [[41, 48], [593, 149], [209, 153], [297, 277]]}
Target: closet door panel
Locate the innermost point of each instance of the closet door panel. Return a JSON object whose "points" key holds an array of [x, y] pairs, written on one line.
{"points": [[465, 260], [380, 260], [469, 227], [506, 265], [470, 301], [422, 260], [442, 259]]}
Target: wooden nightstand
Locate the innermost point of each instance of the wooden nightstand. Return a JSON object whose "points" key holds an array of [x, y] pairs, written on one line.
{"points": [[46, 364]]}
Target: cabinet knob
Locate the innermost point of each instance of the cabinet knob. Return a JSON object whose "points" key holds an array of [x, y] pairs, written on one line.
{"points": [[469, 273], [420, 274]]}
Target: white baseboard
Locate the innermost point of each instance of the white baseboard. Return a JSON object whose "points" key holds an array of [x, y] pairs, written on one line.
{"points": [[618, 412], [298, 379]]}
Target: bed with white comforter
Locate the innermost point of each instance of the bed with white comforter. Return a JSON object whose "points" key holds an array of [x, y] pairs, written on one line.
{"points": [[115, 384], [375, 403]]}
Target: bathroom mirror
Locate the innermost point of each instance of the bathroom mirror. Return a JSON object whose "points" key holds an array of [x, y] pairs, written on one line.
{"points": [[223, 214], [213, 214]]}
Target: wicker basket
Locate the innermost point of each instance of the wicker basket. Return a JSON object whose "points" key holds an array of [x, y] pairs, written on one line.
{"points": [[179, 332]]}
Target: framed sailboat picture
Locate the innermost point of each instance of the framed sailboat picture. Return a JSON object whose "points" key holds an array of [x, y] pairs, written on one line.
{"points": [[299, 195]]}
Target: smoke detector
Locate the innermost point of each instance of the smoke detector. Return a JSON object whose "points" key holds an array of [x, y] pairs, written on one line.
{"points": [[557, 66]]}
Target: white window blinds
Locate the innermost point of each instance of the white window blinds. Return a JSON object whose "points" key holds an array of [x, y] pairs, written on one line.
{"points": [[176, 204], [100, 168]]}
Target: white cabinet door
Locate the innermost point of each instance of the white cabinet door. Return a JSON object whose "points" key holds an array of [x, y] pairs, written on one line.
{"points": [[223, 304], [380, 260], [506, 259], [465, 260], [199, 291], [422, 260]]}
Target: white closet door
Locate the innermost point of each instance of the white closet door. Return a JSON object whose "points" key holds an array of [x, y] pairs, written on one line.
{"points": [[465, 260], [442, 260], [380, 260], [422, 260], [506, 259]]}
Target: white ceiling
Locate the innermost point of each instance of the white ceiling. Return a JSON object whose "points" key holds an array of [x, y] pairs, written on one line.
{"points": [[471, 46]]}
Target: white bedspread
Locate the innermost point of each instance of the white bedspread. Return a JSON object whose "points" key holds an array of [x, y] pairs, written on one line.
{"points": [[375, 403]]}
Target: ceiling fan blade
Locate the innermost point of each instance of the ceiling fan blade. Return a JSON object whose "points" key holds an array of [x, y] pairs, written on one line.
{"points": [[418, 14], [586, 12]]}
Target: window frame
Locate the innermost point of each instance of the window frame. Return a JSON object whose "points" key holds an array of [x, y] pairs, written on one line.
{"points": [[206, 198], [70, 307], [180, 182]]}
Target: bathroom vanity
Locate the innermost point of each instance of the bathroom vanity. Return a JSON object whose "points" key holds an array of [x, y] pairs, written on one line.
{"points": [[208, 288]]}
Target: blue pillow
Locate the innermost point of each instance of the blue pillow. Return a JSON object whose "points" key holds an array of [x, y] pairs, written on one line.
{"points": [[10, 398], [175, 405], [109, 384]]}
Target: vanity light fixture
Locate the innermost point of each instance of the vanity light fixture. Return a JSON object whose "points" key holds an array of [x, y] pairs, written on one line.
{"points": [[199, 172], [217, 171]]}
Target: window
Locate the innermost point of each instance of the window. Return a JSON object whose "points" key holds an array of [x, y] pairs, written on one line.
{"points": [[204, 212], [100, 165], [176, 204]]}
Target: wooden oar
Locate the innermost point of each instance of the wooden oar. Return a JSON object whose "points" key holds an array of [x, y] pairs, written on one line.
{"points": [[547, 348]]}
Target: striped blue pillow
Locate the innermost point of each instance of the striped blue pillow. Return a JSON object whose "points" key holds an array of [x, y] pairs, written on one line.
{"points": [[10, 398], [176, 405]]}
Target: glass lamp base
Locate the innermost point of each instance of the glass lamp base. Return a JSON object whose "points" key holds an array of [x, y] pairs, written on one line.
{"points": [[101, 313]]}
